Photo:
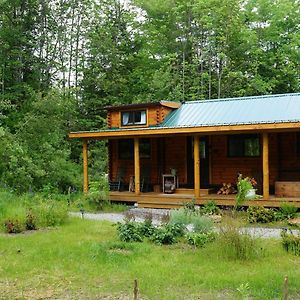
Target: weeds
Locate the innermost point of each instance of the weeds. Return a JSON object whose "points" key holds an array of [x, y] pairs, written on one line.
{"points": [[236, 245], [290, 242]]}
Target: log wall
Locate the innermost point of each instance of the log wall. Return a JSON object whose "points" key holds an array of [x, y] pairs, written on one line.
{"points": [[171, 152], [155, 115]]}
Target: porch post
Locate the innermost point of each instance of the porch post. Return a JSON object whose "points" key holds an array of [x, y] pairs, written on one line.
{"points": [[136, 166], [85, 166], [265, 155], [197, 166]]}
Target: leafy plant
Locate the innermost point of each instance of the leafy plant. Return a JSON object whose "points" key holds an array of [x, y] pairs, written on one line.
{"points": [[286, 211], [190, 206], [244, 185], [200, 239], [163, 236], [13, 226], [129, 232], [257, 214], [146, 228], [244, 290], [30, 221], [210, 208], [98, 193]]}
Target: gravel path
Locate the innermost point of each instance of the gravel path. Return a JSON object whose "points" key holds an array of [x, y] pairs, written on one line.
{"points": [[139, 215]]}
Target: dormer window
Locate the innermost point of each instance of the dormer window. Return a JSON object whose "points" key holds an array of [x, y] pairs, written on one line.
{"points": [[137, 117]]}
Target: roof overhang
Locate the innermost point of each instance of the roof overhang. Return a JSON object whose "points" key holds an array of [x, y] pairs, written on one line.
{"points": [[170, 104], [199, 130]]}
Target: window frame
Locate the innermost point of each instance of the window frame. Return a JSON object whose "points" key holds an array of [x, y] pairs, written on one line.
{"points": [[297, 144], [133, 112], [243, 137], [143, 155]]}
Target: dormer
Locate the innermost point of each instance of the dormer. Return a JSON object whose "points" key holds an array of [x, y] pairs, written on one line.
{"points": [[139, 115]]}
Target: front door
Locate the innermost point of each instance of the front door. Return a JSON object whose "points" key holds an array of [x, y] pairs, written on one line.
{"points": [[204, 162]]}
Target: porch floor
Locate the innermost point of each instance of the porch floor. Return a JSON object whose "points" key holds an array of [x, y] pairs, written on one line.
{"points": [[176, 200]]}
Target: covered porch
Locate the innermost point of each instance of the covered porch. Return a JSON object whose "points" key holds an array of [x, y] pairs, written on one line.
{"points": [[138, 166]]}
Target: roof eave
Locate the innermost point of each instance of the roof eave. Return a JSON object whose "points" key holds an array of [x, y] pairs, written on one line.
{"points": [[199, 130]]}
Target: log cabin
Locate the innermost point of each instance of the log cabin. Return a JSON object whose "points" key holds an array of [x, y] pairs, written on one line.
{"points": [[162, 154]]}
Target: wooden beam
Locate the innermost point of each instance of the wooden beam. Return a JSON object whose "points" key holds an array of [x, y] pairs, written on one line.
{"points": [[152, 131], [137, 175], [85, 166], [197, 166], [265, 157]]}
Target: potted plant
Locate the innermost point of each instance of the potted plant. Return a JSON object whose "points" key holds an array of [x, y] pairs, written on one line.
{"points": [[245, 189]]}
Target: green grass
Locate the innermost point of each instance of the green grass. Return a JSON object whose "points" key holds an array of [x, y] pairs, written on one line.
{"points": [[85, 260]]}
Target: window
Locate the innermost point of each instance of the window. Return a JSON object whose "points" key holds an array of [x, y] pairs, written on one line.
{"points": [[243, 145], [126, 149], [137, 117], [298, 143]]}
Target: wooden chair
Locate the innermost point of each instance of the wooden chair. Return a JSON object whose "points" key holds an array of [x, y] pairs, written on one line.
{"points": [[117, 184], [145, 179]]}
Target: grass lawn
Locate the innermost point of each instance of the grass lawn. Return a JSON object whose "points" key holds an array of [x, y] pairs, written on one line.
{"points": [[85, 260]]}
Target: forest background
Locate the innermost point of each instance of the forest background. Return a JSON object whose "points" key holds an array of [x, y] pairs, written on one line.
{"points": [[62, 61]]}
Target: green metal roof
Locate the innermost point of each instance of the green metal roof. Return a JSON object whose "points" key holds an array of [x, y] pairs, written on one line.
{"points": [[236, 111]]}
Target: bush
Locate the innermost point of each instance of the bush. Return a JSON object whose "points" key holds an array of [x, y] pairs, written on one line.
{"points": [[235, 245], [286, 211], [210, 208], [129, 232], [257, 214], [179, 216], [290, 242], [13, 226], [200, 239], [163, 236], [146, 229], [189, 207], [30, 221], [201, 224]]}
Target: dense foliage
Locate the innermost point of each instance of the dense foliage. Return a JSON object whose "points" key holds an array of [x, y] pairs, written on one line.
{"points": [[62, 61]]}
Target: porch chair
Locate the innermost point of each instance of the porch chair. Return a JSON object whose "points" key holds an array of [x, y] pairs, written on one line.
{"points": [[117, 185], [145, 179]]}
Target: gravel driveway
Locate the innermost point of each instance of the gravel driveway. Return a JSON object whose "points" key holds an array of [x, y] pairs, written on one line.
{"points": [[139, 215]]}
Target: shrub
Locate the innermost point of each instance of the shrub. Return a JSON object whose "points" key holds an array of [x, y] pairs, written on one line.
{"points": [[30, 221], [236, 245], [286, 211], [98, 193], [244, 185], [257, 214], [163, 236], [189, 207], [146, 228], [290, 242], [129, 232], [200, 239], [201, 224], [210, 208], [179, 217], [176, 229], [13, 226]]}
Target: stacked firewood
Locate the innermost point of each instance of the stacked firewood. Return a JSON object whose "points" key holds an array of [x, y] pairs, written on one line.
{"points": [[226, 189]]}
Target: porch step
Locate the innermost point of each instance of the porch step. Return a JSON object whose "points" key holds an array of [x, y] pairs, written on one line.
{"points": [[191, 191]]}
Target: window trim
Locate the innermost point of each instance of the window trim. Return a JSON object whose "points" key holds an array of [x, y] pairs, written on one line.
{"points": [[131, 156], [133, 125], [297, 143], [243, 136]]}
